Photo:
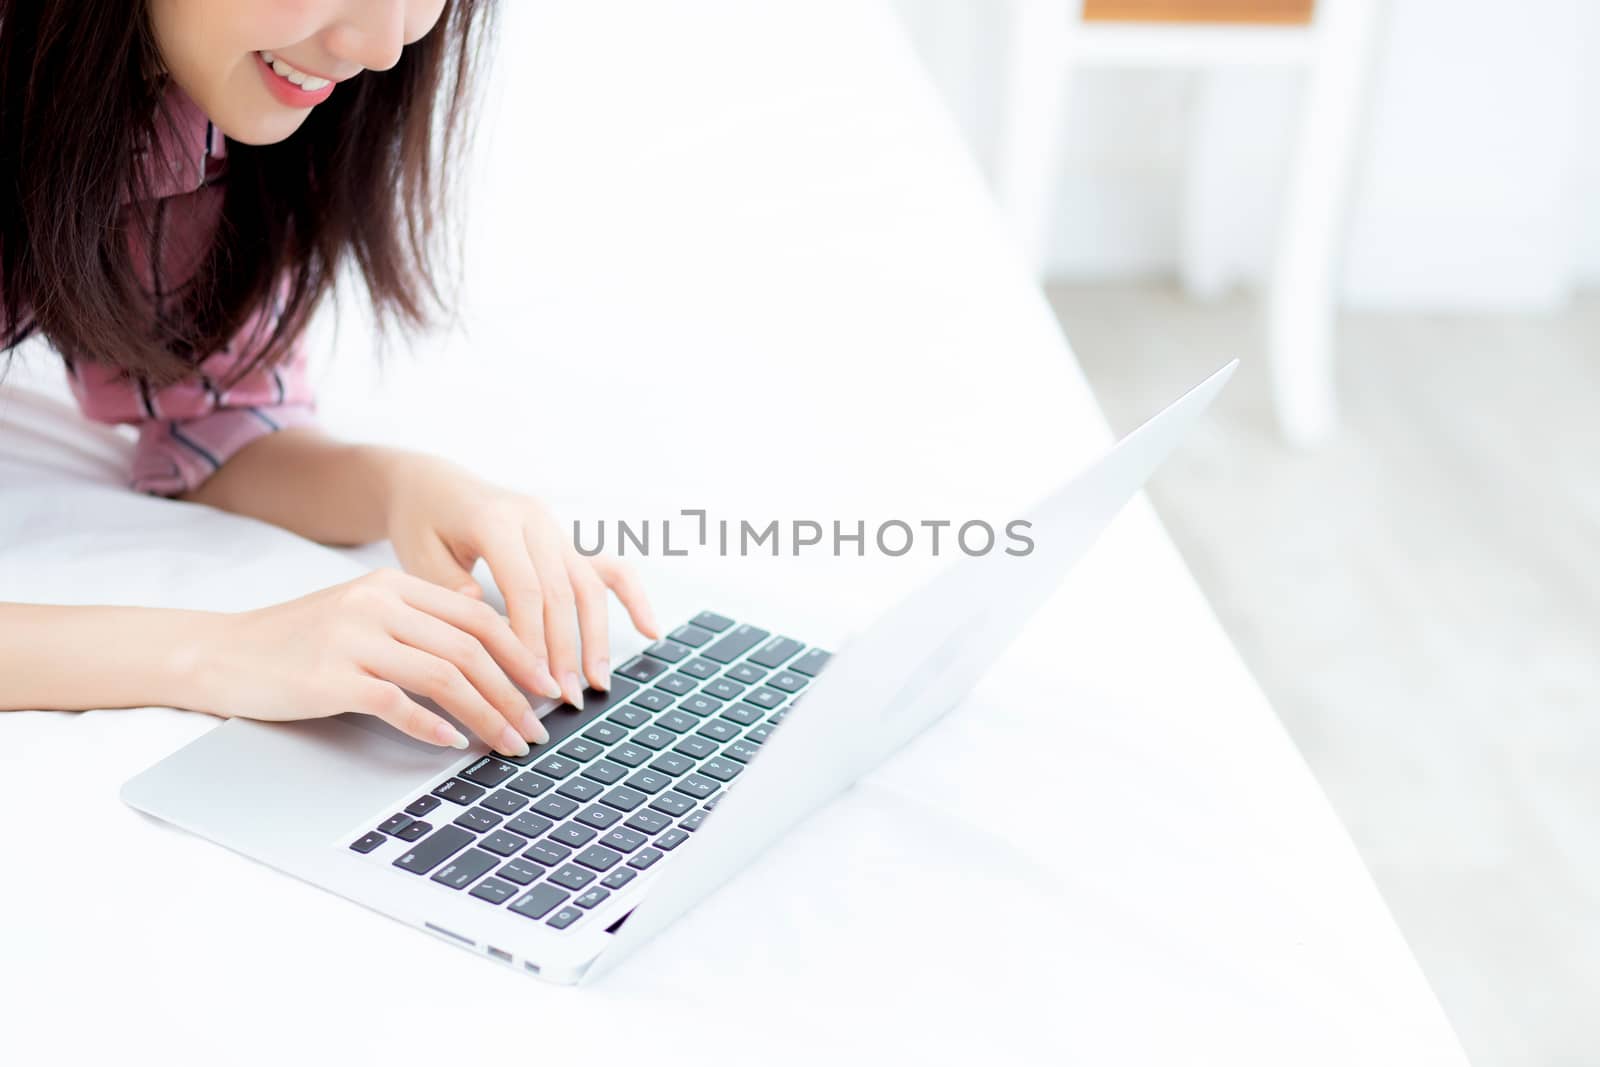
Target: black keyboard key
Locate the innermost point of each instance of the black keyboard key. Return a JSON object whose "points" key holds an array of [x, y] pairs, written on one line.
{"points": [[747, 673], [530, 784], [671, 839], [628, 715], [489, 771], [564, 918], [478, 819], [641, 668], [695, 747], [618, 878], [494, 890], [629, 755], [691, 635], [668, 650], [764, 697], [607, 733], [422, 805], [528, 824], [503, 844], [723, 689], [571, 877], [580, 789], [742, 751], [744, 714], [554, 766], [547, 852], [624, 799], [520, 871], [581, 750], [778, 716], [735, 643], [701, 668], [811, 663], [555, 807], [367, 842], [416, 831], [701, 705], [648, 822], [597, 859], [645, 859], [458, 792], [466, 869], [623, 840], [671, 763], [434, 849], [723, 770], [505, 802], [652, 737], [537, 902], [673, 804], [788, 681], [649, 781], [694, 820], [714, 801], [677, 721], [677, 684], [719, 729], [599, 816], [571, 834], [394, 824], [605, 772], [758, 734], [698, 786], [592, 897], [654, 699], [774, 652], [710, 620]]}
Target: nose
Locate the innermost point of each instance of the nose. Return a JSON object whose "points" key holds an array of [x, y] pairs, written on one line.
{"points": [[372, 34]]}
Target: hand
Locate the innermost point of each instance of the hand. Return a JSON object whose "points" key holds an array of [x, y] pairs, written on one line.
{"points": [[355, 646], [442, 520]]}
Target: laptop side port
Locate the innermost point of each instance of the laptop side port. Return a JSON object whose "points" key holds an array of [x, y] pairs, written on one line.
{"points": [[450, 933], [533, 968], [499, 953]]}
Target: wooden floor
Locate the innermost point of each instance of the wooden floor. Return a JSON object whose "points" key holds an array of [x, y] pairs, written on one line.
{"points": [[1421, 600]]}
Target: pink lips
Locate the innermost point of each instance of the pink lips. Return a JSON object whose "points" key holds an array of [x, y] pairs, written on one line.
{"points": [[287, 92]]}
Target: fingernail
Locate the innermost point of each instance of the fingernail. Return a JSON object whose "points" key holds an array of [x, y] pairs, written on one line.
{"points": [[449, 735], [603, 670], [512, 744], [550, 687], [533, 729], [573, 689]]}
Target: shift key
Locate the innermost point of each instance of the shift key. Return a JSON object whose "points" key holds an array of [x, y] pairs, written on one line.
{"points": [[435, 849], [735, 643]]}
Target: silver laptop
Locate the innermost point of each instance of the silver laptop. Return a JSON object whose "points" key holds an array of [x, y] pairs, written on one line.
{"points": [[709, 746]]}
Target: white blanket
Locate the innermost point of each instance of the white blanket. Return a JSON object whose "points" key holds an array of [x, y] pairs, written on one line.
{"points": [[726, 256]]}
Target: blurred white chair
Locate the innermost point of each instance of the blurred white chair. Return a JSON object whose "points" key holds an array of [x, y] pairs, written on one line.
{"points": [[1047, 39]]}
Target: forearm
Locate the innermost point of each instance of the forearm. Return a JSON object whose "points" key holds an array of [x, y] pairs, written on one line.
{"points": [[304, 481], [73, 658]]}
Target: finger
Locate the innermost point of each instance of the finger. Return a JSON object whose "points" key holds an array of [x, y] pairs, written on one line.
{"points": [[431, 560], [386, 701], [619, 577], [443, 682], [589, 592], [507, 554], [467, 654], [488, 626], [560, 622]]}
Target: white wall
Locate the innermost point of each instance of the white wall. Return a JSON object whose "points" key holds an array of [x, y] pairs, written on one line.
{"points": [[1470, 191]]}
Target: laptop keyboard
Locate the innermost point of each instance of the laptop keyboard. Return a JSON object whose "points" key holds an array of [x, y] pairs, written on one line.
{"points": [[622, 783]]}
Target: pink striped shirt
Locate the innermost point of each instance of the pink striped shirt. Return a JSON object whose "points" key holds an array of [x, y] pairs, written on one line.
{"points": [[187, 430]]}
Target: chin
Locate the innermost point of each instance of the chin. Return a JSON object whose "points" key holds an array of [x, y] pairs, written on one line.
{"points": [[259, 127]]}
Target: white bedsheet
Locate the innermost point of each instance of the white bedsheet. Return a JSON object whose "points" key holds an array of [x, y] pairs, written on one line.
{"points": [[726, 256]]}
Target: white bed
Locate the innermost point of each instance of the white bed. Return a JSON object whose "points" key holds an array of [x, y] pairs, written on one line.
{"points": [[726, 256]]}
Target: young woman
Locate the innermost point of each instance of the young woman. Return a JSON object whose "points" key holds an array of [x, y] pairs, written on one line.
{"points": [[180, 183]]}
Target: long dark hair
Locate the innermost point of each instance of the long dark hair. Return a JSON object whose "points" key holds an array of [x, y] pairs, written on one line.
{"points": [[360, 182]]}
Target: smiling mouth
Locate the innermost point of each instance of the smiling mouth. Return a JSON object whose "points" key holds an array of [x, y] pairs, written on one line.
{"points": [[309, 83]]}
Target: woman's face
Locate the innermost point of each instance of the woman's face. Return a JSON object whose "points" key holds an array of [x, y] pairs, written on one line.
{"points": [[258, 67]]}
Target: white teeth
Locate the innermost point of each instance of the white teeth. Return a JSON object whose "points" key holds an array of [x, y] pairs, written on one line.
{"points": [[308, 82]]}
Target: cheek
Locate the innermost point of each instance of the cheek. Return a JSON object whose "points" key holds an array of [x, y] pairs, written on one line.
{"points": [[421, 16]]}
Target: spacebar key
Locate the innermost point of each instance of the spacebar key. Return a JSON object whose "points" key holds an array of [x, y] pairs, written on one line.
{"points": [[434, 849]]}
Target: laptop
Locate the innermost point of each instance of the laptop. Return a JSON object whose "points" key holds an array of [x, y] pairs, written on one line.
{"points": [[710, 745]]}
